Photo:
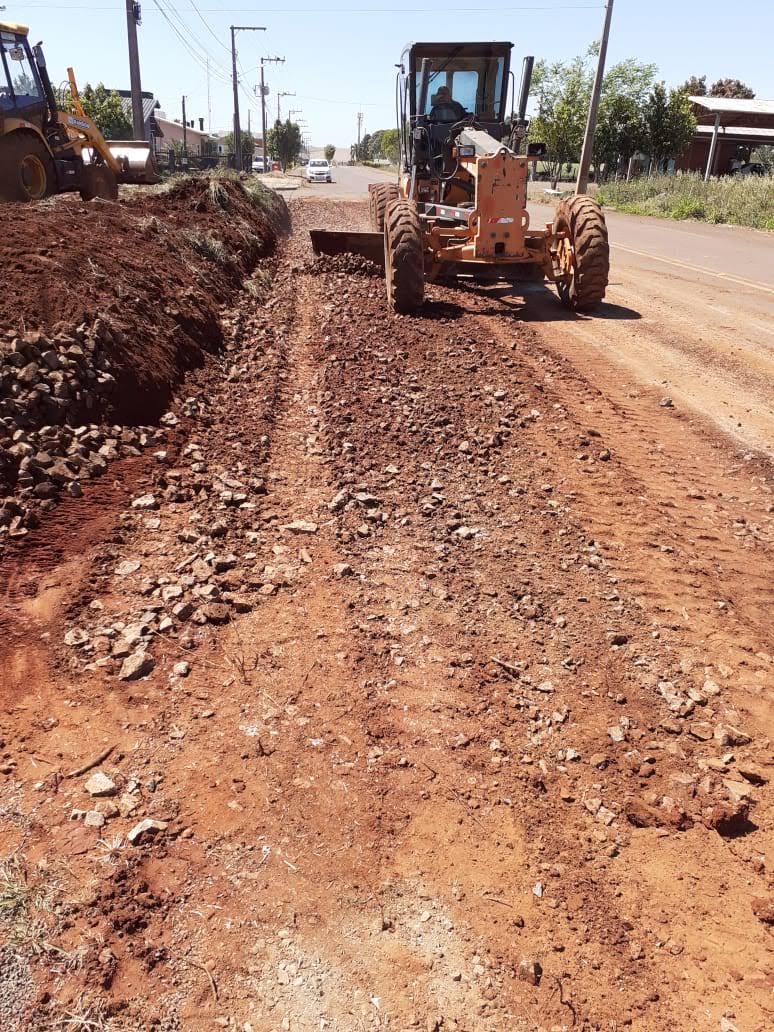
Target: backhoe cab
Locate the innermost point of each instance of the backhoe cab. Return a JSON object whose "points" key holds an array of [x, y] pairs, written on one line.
{"points": [[460, 203], [46, 151]]}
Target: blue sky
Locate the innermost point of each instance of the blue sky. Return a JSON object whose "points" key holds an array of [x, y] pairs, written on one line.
{"points": [[340, 54]]}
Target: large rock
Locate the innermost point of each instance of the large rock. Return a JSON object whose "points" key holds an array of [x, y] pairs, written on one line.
{"points": [[137, 665], [145, 830], [99, 784]]}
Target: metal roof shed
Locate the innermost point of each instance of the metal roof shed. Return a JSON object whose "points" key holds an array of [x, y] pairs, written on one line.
{"points": [[729, 114]]}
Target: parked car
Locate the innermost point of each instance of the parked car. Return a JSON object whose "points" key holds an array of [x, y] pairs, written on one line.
{"points": [[318, 171], [260, 164]]}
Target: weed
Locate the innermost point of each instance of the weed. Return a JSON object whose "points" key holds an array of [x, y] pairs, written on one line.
{"points": [[260, 284], [109, 850], [26, 909], [208, 245], [739, 200], [237, 659], [219, 193], [84, 1017]]}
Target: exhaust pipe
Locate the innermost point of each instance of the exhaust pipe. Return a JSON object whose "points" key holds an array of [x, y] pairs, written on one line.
{"points": [[424, 80], [526, 82]]}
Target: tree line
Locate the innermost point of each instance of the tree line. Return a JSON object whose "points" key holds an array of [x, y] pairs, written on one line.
{"points": [[381, 145], [637, 113]]}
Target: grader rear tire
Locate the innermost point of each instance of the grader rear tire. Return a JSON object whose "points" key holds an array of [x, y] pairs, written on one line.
{"points": [[381, 198], [403, 258], [26, 169], [581, 218], [98, 181]]}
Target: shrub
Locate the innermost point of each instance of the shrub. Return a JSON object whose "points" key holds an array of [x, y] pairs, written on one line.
{"points": [[739, 200]]}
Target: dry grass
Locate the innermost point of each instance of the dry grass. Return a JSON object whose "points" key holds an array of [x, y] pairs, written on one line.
{"points": [[738, 200], [27, 909], [208, 246]]}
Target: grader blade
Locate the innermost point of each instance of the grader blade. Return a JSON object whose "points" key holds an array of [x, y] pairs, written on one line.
{"points": [[368, 245]]}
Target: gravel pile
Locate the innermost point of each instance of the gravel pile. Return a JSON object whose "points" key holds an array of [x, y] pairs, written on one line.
{"points": [[49, 386]]}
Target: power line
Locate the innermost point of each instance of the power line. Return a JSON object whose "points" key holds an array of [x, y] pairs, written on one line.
{"points": [[191, 35], [201, 61], [341, 10], [206, 24]]}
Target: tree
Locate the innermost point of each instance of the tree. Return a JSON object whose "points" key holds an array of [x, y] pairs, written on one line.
{"points": [[104, 108], [390, 145], [375, 146], [731, 88], [765, 155], [695, 86], [248, 146], [284, 141], [670, 123], [620, 124], [330, 151], [563, 92], [363, 152], [621, 132]]}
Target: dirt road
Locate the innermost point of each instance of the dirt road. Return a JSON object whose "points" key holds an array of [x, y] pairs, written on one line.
{"points": [[458, 709]]}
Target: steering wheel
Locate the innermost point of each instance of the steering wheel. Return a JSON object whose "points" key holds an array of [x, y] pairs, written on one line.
{"points": [[468, 122]]}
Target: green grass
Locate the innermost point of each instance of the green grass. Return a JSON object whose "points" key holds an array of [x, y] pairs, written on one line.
{"points": [[739, 201]]}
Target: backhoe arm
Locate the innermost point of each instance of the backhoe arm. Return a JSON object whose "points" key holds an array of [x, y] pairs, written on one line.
{"points": [[81, 124]]}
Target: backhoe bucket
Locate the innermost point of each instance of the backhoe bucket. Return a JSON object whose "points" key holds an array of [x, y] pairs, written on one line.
{"points": [[136, 161], [368, 245]]}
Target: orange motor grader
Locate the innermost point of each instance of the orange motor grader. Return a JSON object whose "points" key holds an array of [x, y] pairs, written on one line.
{"points": [[460, 203]]}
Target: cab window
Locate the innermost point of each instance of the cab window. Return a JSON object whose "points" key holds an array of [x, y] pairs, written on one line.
{"points": [[475, 82], [464, 88], [18, 80]]}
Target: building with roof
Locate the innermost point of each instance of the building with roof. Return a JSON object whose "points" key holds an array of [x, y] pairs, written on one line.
{"points": [[727, 131], [149, 105]]}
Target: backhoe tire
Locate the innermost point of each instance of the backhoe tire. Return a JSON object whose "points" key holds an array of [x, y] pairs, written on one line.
{"points": [[582, 219], [381, 198], [98, 181], [403, 258], [26, 169]]}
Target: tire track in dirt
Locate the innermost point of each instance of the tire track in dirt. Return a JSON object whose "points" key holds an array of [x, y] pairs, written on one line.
{"points": [[685, 522]]}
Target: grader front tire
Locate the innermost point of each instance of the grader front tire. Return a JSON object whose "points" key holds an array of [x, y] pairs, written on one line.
{"points": [[404, 258], [580, 218], [381, 198]]}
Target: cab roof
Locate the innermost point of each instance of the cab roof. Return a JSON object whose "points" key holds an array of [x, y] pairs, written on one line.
{"points": [[20, 30]]}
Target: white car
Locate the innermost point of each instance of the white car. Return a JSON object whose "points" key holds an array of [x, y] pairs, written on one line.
{"points": [[319, 171]]}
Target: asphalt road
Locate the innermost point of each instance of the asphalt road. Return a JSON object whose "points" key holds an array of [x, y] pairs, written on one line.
{"points": [[349, 183], [689, 314]]}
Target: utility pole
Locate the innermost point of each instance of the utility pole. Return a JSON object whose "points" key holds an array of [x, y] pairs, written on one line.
{"points": [[209, 100], [283, 94], [266, 60], [591, 125], [133, 19], [237, 131], [359, 128], [185, 134]]}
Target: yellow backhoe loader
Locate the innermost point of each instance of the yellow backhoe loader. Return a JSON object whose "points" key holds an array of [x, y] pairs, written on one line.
{"points": [[46, 151]]}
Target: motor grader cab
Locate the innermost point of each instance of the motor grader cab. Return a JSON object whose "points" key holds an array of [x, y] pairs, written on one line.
{"points": [[46, 151], [460, 204]]}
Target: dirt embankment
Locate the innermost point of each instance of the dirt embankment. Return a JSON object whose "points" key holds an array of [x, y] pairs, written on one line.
{"points": [[103, 310]]}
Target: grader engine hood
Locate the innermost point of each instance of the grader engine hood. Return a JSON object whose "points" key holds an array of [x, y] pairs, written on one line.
{"points": [[500, 178]]}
